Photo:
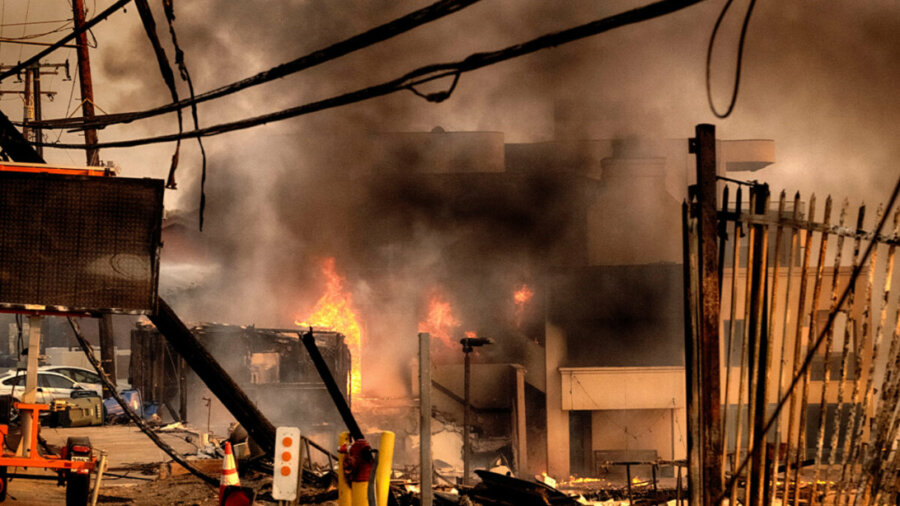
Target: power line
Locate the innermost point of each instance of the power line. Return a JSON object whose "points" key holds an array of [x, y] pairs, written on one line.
{"points": [[28, 23], [423, 75], [368, 38], [38, 35], [96, 19], [740, 59]]}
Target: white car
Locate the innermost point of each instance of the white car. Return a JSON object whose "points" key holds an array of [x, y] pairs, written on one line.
{"points": [[87, 378], [51, 386]]}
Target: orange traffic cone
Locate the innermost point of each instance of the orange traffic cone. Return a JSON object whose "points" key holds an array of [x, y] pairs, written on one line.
{"points": [[229, 473]]}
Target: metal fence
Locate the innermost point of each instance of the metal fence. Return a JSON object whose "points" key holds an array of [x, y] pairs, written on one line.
{"points": [[806, 360]]}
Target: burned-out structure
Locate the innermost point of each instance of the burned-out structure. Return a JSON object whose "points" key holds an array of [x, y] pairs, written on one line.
{"points": [[567, 254], [270, 365], [590, 368]]}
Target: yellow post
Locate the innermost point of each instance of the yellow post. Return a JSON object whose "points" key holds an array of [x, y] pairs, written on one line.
{"points": [[344, 493], [360, 493], [385, 466]]}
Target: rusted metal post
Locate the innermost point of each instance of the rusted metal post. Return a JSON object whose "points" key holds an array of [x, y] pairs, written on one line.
{"points": [[704, 148], [628, 482], [87, 87], [467, 418], [425, 470]]}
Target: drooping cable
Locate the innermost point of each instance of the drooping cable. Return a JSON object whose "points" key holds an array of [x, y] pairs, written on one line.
{"points": [[739, 64], [368, 38], [169, 9], [89, 353], [421, 75], [168, 76]]}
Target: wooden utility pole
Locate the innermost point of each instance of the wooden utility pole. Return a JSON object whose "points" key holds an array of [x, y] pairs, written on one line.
{"points": [[28, 112], [710, 403], [87, 87], [107, 339], [37, 133]]}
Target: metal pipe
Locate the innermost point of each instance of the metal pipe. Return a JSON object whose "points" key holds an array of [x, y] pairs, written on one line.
{"points": [[467, 445], [425, 465]]}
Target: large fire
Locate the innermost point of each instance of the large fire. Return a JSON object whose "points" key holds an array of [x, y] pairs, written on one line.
{"points": [[334, 311], [520, 298], [440, 322]]}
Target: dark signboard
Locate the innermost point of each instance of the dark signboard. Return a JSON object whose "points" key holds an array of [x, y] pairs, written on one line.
{"points": [[79, 243]]}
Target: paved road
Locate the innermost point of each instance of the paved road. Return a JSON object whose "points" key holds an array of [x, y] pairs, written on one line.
{"points": [[126, 447]]}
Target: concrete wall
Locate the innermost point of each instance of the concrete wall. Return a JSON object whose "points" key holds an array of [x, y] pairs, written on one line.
{"points": [[641, 429], [557, 418], [596, 388]]}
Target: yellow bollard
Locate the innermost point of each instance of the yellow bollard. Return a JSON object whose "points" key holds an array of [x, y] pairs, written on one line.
{"points": [[360, 493], [345, 497], [385, 466]]}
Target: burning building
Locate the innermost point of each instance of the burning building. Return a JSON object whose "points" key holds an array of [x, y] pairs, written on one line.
{"points": [[566, 253]]}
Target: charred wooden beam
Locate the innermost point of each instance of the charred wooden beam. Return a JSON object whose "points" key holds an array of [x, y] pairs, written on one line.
{"points": [[216, 379], [309, 341]]}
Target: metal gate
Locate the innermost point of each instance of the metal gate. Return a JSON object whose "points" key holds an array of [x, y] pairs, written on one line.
{"points": [[792, 345]]}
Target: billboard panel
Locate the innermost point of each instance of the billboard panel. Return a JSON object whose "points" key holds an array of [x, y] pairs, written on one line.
{"points": [[79, 243]]}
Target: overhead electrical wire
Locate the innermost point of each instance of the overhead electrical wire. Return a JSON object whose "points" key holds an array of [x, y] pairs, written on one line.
{"points": [[169, 9], [365, 39], [421, 75], [29, 23], [61, 42], [38, 35], [738, 65], [168, 76]]}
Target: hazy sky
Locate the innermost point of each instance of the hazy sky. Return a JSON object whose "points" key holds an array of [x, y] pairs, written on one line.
{"points": [[820, 78]]}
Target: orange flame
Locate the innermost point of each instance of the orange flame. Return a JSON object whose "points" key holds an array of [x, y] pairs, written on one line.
{"points": [[334, 311], [440, 322], [471, 334], [521, 297]]}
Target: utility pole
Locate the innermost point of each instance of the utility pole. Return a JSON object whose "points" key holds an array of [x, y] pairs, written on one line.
{"points": [[710, 402], [28, 113], [107, 339], [36, 99], [87, 87], [31, 97]]}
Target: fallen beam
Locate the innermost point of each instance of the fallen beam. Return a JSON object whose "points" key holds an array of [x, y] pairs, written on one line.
{"points": [[216, 379]]}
